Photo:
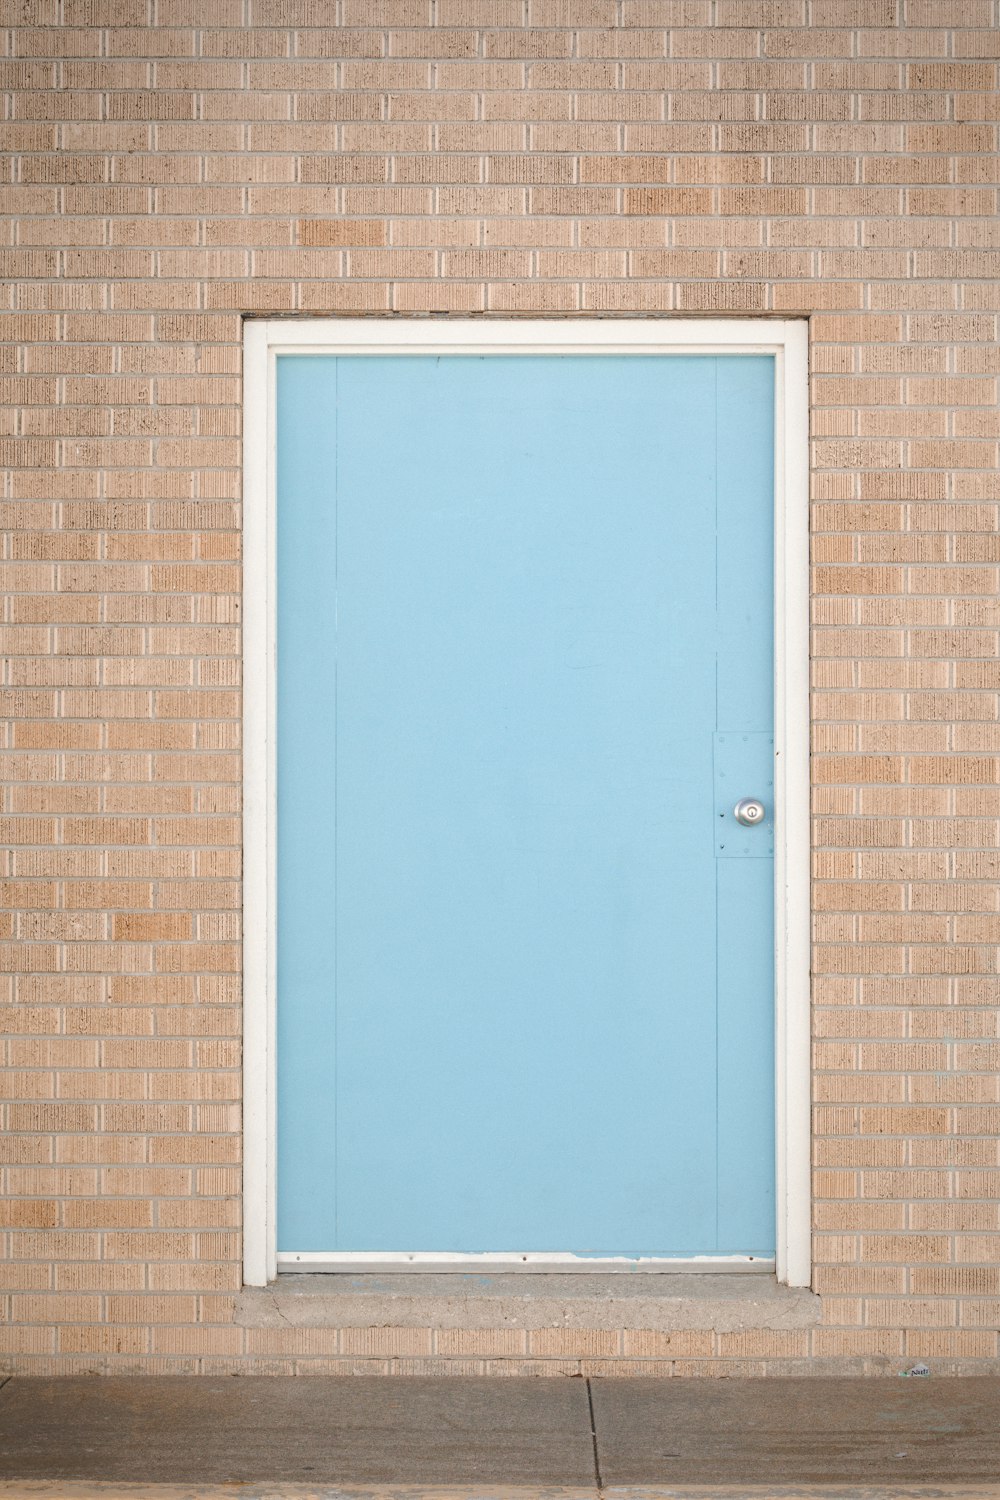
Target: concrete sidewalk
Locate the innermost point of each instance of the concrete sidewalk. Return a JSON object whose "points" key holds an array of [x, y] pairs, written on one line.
{"points": [[486, 1439]]}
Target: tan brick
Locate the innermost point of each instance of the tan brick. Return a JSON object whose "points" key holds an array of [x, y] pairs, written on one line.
{"points": [[764, 1343], [571, 159], [481, 1342], [574, 1343], [667, 200], [833, 1342], [88, 1339], [200, 1341], [647, 1344]]}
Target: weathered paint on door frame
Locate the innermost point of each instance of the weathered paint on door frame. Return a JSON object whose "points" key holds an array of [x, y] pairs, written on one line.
{"points": [[787, 342]]}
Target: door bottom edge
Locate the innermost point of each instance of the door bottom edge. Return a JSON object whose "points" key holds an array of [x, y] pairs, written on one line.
{"points": [[316, 1262]]}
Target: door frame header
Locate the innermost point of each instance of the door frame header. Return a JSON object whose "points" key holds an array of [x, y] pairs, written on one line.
{"points": [[787, 341]]}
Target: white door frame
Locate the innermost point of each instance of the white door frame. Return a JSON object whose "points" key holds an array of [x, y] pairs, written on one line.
{"points": [[788, 342]]}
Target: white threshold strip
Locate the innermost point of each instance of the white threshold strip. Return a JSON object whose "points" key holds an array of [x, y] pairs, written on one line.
{"points": [[312, 1262]]}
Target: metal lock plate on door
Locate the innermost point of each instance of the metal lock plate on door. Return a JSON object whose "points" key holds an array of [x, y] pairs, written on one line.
{"points": [[744, 795]]}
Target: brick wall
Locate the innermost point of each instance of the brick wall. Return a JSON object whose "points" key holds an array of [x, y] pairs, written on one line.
{"points": [[177, 164]]}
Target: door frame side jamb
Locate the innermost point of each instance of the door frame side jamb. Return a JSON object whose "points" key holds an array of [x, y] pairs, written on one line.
{"points": [[259, 623], [792, 889]]}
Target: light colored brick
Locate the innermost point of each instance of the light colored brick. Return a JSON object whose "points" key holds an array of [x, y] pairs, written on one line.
{"points": [[595, 158]]}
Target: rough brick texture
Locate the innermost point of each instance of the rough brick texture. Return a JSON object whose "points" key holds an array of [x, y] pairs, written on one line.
{"points": [[174, 165]]}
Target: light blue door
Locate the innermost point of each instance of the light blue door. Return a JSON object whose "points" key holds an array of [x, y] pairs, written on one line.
{"points": [[525, 966]]}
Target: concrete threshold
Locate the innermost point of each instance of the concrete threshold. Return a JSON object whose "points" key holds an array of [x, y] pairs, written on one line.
{"points": [[724, 1302]]}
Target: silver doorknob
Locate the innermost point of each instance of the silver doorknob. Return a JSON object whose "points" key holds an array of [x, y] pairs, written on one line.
{"points": [[748, 811]]}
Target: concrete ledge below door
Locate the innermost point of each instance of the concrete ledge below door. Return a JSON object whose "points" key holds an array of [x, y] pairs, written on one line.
{"points": [[721, 1302]]}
